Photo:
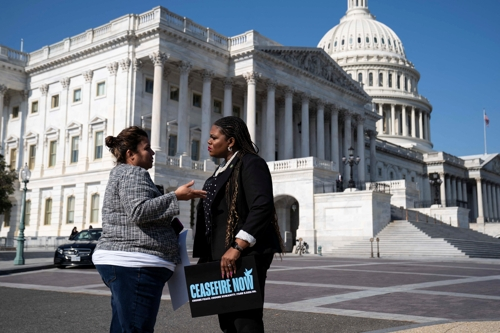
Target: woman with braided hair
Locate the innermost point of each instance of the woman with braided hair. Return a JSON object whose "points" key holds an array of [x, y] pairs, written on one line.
{"points": [[237, 218]]}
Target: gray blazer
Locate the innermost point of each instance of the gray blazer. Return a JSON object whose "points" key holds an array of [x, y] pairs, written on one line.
{"points": [[136, 217]]}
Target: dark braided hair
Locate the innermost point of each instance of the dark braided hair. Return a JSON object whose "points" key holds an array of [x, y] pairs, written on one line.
{"points": [[235, 127], [129, 138]]}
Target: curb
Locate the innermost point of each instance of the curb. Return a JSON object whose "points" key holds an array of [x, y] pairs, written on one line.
{"points": [[22, 269]]}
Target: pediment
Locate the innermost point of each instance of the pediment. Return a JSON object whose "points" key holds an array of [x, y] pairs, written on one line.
{"points": [[318, 63], [97, 120], [12, 139], [51, 130], [74, 125], [493, 165], [30, 135]]}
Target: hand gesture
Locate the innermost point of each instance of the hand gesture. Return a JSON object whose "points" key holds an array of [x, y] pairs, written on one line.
{"points": [[185, 192]]}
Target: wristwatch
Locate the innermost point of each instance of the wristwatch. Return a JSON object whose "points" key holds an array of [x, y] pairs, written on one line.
{"points": [[236, 246]]}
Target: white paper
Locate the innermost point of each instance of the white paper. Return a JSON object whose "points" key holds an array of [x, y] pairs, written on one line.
{"points": [[177, 283]]}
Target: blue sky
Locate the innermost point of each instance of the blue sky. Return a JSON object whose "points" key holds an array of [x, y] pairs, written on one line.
{"points": [[454, 44]]}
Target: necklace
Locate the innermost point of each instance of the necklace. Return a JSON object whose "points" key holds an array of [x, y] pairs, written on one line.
{"points": [[224, 166]]}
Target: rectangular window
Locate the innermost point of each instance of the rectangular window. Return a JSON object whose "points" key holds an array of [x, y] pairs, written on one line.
{"points": [[77, 95], [13, 158], [15, 112], [390, 81], [70, 213], [48, 211], [398, 83], [172, 145], [149, 86], [370, 79], [34, 107], [75, 141], [195, 150], [101, 89], [236, 111], [32, 157], [54, 101], [98, 145], [52, 153], [380, 172], [94, 209], [27, 213], [217, 106], [197, 100], [6, 218], [380, 79], [174, 93]]}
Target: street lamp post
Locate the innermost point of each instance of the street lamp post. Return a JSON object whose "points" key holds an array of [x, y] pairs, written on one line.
{"points": [[436, 181], [25, 178], [351, 161]]}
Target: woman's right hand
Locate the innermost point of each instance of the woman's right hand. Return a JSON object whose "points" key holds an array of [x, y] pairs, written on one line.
{"points": [[185, 192]]}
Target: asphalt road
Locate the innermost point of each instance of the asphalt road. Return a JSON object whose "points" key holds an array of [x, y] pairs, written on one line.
{"points": [[35, 311]]}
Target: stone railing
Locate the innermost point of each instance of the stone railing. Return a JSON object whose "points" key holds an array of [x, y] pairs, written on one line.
{"points": [[444, 157], [395, 92], [300, 163], [13, 55], [156, 16], [397, 150]]}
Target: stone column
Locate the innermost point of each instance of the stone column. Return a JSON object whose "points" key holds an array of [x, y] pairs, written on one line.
{"points": [[347, 140], [448, 189], [373, 156], [64, 102], [494, 200], [270, 121], [480, 206], [183, 133], [361, 149], [111, 99], [206, 112], [3, 118], [251, 79], [158, 59], [474, 200], [404, 120], [86, 105], [228, 97], [429, 126], [459, 189], [305, 126], [420, 124], [288, 144], [413, 123], [489, 202], [320, 130], [464, 191], [380, 123], [262, 96], [312, 136], [393, 120], [453, 190], [334, 123], [281, 128]]}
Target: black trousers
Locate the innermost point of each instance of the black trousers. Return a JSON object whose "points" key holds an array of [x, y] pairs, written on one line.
{"points": [[249, 321]]}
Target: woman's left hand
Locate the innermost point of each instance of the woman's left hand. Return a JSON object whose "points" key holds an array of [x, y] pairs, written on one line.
{"points": [[228, 263]]}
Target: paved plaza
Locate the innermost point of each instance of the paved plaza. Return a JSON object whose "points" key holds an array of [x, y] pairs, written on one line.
{"points": [[323, 294]]}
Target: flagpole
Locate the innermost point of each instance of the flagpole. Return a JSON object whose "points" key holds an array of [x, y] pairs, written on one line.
{"points": [[484, 121]]}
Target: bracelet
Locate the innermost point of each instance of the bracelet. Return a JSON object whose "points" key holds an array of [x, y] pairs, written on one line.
{"points": [[236, 246]]}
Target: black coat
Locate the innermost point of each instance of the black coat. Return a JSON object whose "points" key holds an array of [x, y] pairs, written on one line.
{"points": [[254, 205]]}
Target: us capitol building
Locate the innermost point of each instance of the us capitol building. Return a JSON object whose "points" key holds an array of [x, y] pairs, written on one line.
{"points": [[305, 108]]}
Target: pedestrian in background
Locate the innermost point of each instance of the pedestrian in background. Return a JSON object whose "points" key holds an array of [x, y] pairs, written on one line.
{"points": [[138, 250], [73, 233], [237, 218]]}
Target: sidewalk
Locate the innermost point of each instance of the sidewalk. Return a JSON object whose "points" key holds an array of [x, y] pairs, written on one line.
{"points": [[34, 259]]}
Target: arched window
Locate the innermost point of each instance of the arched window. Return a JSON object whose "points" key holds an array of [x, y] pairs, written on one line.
{"points": [[380, 79], [359, 39], [342, 42], [375, 40], [70, 210], [390, 80], [350, 40], [360, 77], [48, 211], [399, 82], [406, 84], [367, 39], [335, 44], [383, 42], [370, 79], [328, 45], [391, 175], [389, 41], [94, 208]]}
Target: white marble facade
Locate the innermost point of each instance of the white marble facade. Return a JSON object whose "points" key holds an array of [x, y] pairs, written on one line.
{"points": [[174, 78]]}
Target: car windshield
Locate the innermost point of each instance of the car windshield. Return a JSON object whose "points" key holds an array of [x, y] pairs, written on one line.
{"points": [[88, 235]]}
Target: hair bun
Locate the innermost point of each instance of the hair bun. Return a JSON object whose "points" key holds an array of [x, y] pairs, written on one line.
{"points": [[110, 141]]}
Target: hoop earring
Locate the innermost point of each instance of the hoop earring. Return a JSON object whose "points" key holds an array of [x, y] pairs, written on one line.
{"points": [[230, 148]]}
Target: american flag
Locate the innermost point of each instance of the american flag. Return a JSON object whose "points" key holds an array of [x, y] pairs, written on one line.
{"points": [[486, 119]]}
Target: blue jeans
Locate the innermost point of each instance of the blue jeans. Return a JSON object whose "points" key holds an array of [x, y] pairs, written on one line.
{"points": [[135, 296]]}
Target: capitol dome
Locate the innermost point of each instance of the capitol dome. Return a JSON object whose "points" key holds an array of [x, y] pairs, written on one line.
{"points": [[372, 54], [359, 33]]}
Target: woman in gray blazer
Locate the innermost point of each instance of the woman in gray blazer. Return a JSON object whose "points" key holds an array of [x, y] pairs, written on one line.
{"points": [[138, 249]]}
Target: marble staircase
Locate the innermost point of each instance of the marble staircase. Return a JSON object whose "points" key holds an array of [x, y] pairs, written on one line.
{"points": [[402, 238]]}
